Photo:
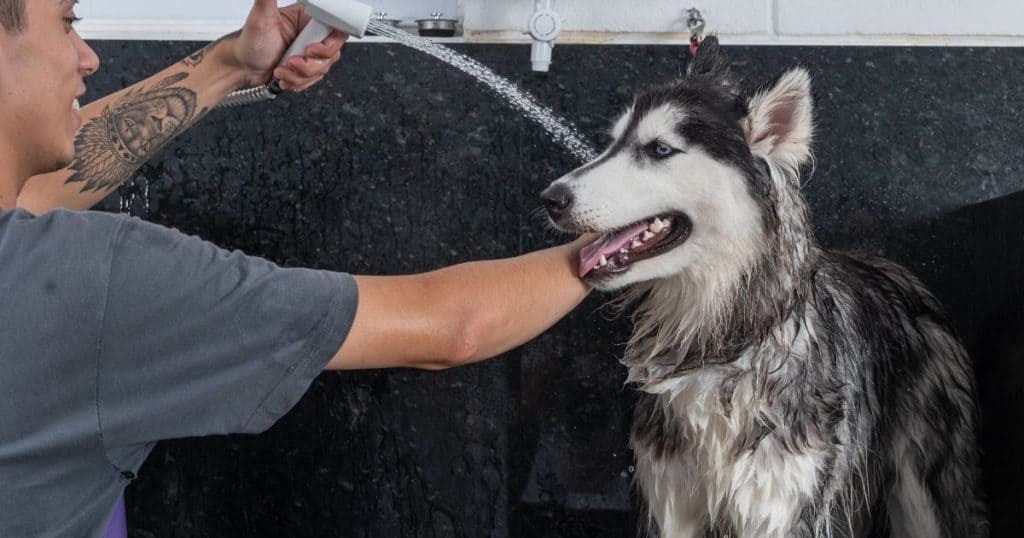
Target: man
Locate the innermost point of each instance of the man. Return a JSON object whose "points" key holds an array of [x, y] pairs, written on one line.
{"points": [[116, 333]]}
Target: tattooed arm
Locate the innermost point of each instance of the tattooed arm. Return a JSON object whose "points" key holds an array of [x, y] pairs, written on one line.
{"points": [[123, 130]]}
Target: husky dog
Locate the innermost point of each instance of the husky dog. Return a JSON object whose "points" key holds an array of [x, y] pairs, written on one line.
{"points": [[785, 390]]}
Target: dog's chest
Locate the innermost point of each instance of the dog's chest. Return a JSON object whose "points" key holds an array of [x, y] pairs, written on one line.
{"points": [[719, 450], [713, 416]]}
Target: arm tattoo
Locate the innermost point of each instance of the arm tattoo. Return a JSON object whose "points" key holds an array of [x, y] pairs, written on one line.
{"points": [[198, 56], [112, 146]]}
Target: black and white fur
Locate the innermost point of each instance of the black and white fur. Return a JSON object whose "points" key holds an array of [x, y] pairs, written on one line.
{"points": [[786, 390]]}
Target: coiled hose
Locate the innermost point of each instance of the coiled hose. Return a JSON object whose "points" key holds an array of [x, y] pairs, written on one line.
{"points": [[250, 96]]}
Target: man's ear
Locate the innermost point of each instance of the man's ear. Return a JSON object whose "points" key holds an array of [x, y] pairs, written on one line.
{"points": [[780, 123], [710, 62]]}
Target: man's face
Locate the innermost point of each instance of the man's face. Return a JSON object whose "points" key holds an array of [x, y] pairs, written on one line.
{"points": [[42, 69]]}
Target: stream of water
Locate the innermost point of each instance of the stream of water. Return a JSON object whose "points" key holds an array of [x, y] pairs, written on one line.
{"points": [[561, 131]]}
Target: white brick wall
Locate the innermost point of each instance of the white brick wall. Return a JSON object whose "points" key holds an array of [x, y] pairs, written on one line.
{"points": [[839, 22], [911, 17], [651, 16], [937, 22]]}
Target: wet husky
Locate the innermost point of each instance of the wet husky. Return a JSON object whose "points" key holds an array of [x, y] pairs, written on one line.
{"points": [[785, 390]]}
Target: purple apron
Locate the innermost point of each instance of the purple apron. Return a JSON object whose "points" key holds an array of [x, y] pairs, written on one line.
{"points": [[117, 528]]}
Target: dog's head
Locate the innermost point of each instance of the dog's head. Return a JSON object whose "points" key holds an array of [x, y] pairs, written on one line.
{"points": [[691, 182]]}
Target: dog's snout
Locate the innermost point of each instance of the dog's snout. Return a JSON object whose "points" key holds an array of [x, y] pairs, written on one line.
{"points": [[557, 199]]}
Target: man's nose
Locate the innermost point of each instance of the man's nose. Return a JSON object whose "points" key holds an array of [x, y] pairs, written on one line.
{"points": [[88, 61], [557, 199]]}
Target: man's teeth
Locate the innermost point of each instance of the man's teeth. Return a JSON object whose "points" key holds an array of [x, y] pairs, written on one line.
{"points": [[75, 105]]}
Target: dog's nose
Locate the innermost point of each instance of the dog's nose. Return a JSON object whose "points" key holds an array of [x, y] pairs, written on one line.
{"points": [[557, 198]]}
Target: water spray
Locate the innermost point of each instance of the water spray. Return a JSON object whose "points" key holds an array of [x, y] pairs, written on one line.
{"points": [[347, 16], [354, 18]]}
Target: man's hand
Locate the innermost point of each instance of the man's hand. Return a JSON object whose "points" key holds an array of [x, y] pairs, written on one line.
{"points": [[267, 34]]}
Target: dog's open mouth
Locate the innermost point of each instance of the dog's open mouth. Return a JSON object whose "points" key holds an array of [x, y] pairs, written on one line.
{"points": [[615, 251]]}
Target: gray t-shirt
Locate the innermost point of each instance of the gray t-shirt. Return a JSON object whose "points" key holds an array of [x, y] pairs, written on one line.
{"points": [[116, 333]]}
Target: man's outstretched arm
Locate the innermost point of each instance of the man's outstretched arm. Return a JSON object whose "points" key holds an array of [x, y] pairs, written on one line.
{"points": [[122, 131], [461, 314]]}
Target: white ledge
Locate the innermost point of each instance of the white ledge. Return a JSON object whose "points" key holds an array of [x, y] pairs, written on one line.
{"points": [[163, 30]]}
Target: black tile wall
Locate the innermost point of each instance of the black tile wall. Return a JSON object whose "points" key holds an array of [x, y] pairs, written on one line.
{"points": [[397, 164]]}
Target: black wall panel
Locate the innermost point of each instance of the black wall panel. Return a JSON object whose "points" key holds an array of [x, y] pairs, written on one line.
{"points": [[397, 164]]}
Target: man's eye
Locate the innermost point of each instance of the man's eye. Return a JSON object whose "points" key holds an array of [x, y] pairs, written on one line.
{"points": [[70, 21]]}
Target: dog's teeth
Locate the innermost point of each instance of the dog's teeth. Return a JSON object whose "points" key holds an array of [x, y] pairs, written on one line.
{"points": [[603, 261], [623, 250], [647, 236], [656, 225], [636, 244]]}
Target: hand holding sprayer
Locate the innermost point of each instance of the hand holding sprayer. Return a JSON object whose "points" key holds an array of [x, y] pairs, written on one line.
{"points": [[347, 16]]}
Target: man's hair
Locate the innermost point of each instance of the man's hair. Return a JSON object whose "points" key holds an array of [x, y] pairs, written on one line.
{"points": [[12, 15]]}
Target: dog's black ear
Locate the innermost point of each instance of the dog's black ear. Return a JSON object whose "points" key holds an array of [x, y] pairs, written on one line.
{"points": [[780, 122], [710, 62]]}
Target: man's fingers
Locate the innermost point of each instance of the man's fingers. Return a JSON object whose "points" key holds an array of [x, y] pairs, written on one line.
{"points": [[307, 85], [298, 85], [328, 48], [291, 79], [320, 51], [308, 68], [336, 39], [299, 73]]}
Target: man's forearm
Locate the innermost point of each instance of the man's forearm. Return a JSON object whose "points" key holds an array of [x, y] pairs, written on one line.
{"points": [[519, 298], [122, 131], [460, 314]]}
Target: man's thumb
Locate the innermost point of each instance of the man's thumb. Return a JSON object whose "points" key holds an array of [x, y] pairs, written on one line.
{"points": [[264, 8]]}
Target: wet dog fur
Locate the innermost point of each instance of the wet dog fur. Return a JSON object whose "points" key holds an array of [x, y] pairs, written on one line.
{"points": [[785, 390]]}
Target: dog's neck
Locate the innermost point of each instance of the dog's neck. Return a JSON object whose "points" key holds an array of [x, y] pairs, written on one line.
{"points": [[683, 323]]}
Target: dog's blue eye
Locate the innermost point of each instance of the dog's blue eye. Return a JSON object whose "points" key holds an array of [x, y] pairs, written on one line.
{"points": [[661, 150]]}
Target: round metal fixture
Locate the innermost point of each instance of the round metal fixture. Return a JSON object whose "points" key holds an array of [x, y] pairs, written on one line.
{"points": [[436, 26]]}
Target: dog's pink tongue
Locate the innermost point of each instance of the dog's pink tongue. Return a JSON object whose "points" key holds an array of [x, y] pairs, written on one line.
{"points": [[607, 245]]}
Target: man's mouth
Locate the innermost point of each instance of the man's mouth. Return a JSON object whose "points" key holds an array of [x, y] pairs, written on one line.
{"points": [[614, 252]]}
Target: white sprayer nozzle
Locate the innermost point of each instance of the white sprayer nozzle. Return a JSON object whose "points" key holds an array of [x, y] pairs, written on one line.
{"points": [[346, 15]]}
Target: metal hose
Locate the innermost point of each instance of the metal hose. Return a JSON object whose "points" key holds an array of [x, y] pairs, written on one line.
{"points": [[248, 96]]}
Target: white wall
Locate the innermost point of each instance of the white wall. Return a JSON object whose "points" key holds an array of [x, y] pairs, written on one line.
{"points": [[856, 22], [208, 19]]}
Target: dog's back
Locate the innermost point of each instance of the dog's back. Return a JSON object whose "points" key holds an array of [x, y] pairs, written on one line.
{"points": [[917, 392], [855, 417]]}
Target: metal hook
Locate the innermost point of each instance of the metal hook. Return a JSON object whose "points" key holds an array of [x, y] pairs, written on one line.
{"points": [[695, 23]]}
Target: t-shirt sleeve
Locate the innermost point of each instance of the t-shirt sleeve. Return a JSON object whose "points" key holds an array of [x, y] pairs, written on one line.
{"points": [[197, 340]]}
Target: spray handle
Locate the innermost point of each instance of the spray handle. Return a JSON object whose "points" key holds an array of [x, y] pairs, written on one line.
{"points": [[314, 32]]}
